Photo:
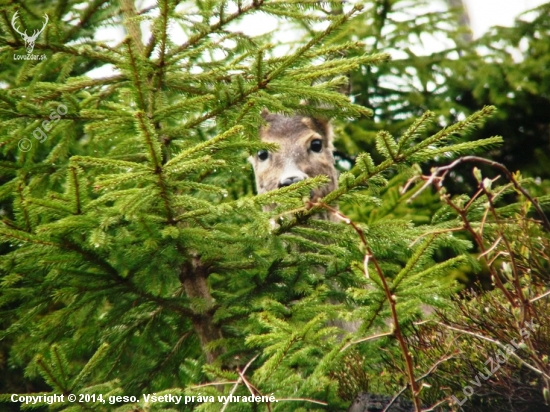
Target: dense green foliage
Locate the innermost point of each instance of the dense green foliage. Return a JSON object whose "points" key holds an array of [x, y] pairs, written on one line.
{"points": [[507, 68], [136, 257]]}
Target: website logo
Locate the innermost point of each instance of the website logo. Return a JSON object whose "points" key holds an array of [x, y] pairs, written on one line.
{"points": [[29, 40]]}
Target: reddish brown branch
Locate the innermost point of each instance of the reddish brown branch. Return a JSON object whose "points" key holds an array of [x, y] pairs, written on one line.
{"points": [[391, 299], [443, 170]]}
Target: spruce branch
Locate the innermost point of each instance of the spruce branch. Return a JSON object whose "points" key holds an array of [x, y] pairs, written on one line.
{"points": [[459, 148], [209, 145], [131, 23], [136, 74], [108, 163], [413, 132], [414, 260], [314, 41], [163, 28], [186, 105], [386, 145], [23, 236], [369, 256], [163, 362], [61, 364], [457, 128], [367, 339], [48, 374], [222, 21], [86, 15], [49, 91], [93, 363], [155, 157]]}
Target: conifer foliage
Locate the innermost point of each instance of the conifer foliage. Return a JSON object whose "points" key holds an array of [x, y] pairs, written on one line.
{"points": [[135, 256]]}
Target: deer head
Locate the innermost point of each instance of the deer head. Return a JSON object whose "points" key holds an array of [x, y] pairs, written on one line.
{"points": [[29, 40], [305, 151]]}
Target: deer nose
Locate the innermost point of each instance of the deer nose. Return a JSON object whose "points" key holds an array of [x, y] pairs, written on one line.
{"points": [[290, 180]]}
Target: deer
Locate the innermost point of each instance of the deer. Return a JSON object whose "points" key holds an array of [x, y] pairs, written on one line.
{"points": [[305, 150], [29, 40]]}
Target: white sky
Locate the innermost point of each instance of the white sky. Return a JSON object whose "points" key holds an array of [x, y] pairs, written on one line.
{"points": [[488, 13]]}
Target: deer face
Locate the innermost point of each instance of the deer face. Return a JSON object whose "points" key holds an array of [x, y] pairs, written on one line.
{"points": [[305, 150]]}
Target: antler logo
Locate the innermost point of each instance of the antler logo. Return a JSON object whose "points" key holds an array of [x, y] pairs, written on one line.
{"points": [[29, 40]]}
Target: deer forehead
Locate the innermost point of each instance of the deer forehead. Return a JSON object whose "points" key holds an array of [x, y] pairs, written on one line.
{"points": [[293, 133]]}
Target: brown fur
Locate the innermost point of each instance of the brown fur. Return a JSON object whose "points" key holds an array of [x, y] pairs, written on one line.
{"points": [[295, 159]]}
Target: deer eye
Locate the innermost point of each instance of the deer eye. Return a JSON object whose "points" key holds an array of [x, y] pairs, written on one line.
{"points": [[316, 145], [263, 154]]}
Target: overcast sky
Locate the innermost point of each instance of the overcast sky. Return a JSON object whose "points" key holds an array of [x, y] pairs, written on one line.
{"points": [[487, 13]]}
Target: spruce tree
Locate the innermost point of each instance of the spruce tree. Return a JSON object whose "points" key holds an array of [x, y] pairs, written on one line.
{"points": [[136, 258]]}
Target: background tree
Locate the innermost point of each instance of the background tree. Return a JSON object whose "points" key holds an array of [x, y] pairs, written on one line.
{"points": [[506, 68]]}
